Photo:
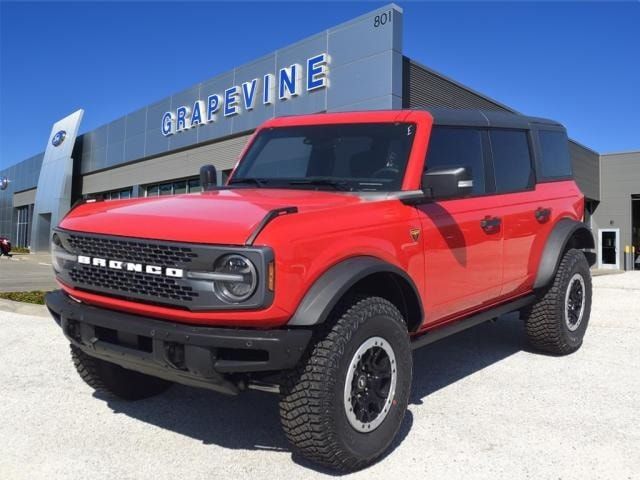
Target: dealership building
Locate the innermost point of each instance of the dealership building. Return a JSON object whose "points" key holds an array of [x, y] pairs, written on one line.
{"points": [[357, 65]]}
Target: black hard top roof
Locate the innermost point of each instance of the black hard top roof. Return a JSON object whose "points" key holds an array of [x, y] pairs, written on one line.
{"points": [[486, 118]]}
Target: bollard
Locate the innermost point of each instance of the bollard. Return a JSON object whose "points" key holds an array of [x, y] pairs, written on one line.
{"points": [[626, 258]]}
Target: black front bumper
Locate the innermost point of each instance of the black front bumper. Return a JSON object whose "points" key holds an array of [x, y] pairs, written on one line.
{"points": [[205, 357]]}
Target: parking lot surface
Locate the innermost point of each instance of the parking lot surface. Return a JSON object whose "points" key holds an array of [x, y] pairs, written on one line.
{"points": [[26, 272], [483, 406]]}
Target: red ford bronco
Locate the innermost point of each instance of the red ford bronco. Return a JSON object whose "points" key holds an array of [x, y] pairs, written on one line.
{"points": [[340, 243]]}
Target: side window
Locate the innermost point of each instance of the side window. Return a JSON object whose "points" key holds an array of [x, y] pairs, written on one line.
{"points": [[458, 147], [511, 160], [554, 153]]}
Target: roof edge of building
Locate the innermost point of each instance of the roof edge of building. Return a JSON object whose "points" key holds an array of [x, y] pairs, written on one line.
{"points": [[582, 145], [624, 152]]}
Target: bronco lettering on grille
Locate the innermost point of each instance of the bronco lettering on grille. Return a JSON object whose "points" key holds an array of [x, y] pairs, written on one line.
{"points": [[130, 266]]}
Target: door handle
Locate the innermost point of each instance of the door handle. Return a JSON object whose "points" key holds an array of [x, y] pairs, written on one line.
{"points": [[542, 214], [490, 224]]}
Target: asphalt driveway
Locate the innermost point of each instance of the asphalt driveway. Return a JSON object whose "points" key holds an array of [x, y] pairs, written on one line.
{"points": [[26, 272], [483, 406]]}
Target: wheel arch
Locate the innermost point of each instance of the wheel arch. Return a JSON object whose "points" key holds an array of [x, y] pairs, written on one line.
{"points": [[566, 234], [364, 275]]}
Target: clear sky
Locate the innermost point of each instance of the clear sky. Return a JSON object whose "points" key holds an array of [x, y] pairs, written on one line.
{"points": [[575, 62]]}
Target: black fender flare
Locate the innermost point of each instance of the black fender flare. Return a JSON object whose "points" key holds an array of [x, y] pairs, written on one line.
{"points": [[566, 233], [332, 285]]}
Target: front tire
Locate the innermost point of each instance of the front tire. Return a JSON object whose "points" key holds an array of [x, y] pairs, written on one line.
{"points": [[344, 405], [114, 380], [557, 322]]}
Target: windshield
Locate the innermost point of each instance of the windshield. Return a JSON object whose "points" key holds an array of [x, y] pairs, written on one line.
{"points": [[349, 157]]}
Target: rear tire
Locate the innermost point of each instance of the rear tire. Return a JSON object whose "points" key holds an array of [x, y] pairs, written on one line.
{"points": [[557, 322], [343, 406], [114, 380]]}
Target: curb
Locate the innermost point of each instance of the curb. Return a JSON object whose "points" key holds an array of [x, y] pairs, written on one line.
{"points": [[23, 308]]}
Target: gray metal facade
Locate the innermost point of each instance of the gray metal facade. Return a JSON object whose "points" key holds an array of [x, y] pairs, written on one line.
{"points": [[22, 176], [356, 49], [181, 164], [619, 180], [53, 194], [424, 87]]}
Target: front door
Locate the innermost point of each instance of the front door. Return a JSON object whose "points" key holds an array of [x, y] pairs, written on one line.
{"points": [[609, 248], [462, 237], [463, 259]]}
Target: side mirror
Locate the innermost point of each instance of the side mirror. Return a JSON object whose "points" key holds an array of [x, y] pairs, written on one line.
{"points": [[441, 183], [208, 177]]}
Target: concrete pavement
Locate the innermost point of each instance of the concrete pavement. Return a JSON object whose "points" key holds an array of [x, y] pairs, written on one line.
{"points": [[483, 407]]}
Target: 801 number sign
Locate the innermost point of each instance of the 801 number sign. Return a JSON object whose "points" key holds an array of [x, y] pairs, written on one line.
{"points": [[382, 19]]}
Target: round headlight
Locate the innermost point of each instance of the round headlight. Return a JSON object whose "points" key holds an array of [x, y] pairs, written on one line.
{"points": [[241, 281], [59, 255]]}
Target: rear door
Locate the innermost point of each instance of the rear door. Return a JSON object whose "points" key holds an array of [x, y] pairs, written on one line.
{"points": [[531, 207], [515, 187], [463, 260]]}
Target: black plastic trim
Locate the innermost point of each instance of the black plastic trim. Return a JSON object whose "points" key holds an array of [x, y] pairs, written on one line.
{"points": [[457, 326], [276, 212], [556, 245], [203, 368], [331, 286]]}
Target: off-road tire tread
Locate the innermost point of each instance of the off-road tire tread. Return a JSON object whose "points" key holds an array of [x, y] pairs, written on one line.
{"points": [[124, 384], [308, 390], [87, 368], [545, 318]]}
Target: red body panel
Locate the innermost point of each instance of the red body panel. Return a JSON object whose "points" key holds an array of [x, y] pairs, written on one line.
{"points": [[475, 269], [225, 217], [455, 265]]}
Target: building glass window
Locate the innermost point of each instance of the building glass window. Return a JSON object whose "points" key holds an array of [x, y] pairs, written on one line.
{"points": [[194, 185], [117, 194], [166, 189], [23, 226], [178, 187]]}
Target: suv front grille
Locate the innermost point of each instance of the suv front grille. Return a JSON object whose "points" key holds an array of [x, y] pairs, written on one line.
{"points": [[156, 285], [132, 285], [131, 250]]}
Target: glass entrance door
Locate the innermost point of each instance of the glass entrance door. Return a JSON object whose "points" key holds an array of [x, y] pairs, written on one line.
{"points": [[609, 248], [23, 226]]}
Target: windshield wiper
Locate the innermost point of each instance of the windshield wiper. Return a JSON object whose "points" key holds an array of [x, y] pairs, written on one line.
{"points": [[258, 182], [322, 182]]}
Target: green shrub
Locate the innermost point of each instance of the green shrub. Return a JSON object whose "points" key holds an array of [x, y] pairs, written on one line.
{"points": [[36, 296]]}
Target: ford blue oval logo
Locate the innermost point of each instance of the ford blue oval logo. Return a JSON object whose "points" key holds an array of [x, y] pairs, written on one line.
{"points": [[58, 138]]}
